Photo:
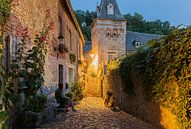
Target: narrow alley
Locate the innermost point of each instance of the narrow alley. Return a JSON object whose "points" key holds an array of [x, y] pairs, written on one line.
{"points": [[92, 114]]}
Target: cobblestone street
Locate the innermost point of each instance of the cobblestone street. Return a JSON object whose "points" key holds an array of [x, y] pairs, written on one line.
{"points": [[92, 114]]}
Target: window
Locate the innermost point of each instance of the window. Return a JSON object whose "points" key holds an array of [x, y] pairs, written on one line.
{"points": [[61, 74], [108, 34], [105, 70], [137, 44], [114, 34], [69, 40], [60, 25], [110, 9], [111, 55], [84, 24], [70, 75], [7, 53], [14, 43]]}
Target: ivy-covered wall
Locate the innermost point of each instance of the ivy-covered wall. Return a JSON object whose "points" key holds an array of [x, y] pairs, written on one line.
{"points": [[160, 74]]}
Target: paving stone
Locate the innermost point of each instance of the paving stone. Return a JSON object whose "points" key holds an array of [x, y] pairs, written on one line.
{"points": [[92, 114]]}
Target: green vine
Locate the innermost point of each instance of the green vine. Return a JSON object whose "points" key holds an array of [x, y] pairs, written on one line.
{"points": [[5, 9], [27, 72]]}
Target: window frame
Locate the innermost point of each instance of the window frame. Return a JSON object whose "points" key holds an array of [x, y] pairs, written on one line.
{"points": [[108, 33], [110, 9], [111, 55], [69, 40]]}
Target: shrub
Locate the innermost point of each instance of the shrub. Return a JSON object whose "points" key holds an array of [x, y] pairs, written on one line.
{"points": [[36, 103], [72, 58], [77, 92], [165, 70]]}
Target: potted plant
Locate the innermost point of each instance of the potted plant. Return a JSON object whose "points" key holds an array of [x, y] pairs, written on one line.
{"points": [[72, 57], [34, 114], [62, 48]]}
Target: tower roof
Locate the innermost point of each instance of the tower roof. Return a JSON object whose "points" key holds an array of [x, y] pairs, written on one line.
{"points": [[102, 10]]}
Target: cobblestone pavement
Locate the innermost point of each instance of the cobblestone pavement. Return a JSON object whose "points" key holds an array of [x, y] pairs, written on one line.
{"points": [[92, 114]]}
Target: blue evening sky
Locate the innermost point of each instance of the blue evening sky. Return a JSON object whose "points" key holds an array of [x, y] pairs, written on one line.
{"points": [[175, 11]]}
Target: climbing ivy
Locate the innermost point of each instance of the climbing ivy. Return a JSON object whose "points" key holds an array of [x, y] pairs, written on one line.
{"points": [[5, 9], [165, 70]]}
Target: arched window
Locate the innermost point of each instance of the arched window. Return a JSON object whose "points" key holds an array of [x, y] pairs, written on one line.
{"points": [[110, 9], [108, 34], [114, 34]]}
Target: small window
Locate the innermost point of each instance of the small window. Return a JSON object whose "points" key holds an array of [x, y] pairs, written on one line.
{"points": [[111, 55], [69, 40], [114, 34], [70, 76], [105, 70], [137, 44], [108, 33], [61, 74], [84, 24]]}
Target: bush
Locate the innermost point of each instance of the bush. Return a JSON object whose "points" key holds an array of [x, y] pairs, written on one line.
{"points": [[36, 103], [77, 92], [69, 95], [165, 71]]}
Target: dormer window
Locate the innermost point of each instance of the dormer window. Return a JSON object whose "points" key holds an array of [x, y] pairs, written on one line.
{"points": [[137, 44], [110, 9]]}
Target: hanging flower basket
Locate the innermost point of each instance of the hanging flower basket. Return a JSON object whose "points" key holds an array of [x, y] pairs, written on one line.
{"points": [[62, 48], [72, 58]]}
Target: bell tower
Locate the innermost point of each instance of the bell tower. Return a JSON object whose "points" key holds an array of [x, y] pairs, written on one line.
{"points": [[108, 32]]}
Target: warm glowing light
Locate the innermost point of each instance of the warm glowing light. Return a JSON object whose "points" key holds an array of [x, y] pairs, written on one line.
{"points": [[92, 55], [95, 62]]}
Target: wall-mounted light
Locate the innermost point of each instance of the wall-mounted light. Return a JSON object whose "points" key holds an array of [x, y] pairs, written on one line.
{"points": [[92, 55], [60, 38]]}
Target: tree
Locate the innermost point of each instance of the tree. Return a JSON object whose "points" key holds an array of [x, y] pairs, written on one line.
{"points": [[87, 18], [137, 23]]}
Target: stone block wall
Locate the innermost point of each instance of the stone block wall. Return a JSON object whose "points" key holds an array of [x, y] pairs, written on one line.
{"points": [[137, 104], [31, 14], [112, 43]]}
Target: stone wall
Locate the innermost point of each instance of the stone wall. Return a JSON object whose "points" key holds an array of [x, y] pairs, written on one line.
{"points": [[92, 86], [137, 103], [30, 14]]}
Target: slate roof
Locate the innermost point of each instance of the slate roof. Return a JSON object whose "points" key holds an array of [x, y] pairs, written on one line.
{"points": [[102, 10], [143, 38]]}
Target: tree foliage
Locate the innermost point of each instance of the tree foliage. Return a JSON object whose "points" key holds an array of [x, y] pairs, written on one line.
{"points": [[87, 18], [137, 23], [5, 8]]}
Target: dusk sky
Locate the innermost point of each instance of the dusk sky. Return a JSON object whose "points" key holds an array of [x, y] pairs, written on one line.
{"points": [[175, 11]]}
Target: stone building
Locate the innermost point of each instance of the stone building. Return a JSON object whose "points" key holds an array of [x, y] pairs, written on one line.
{"points": [[110, 40], [29, 15]]}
